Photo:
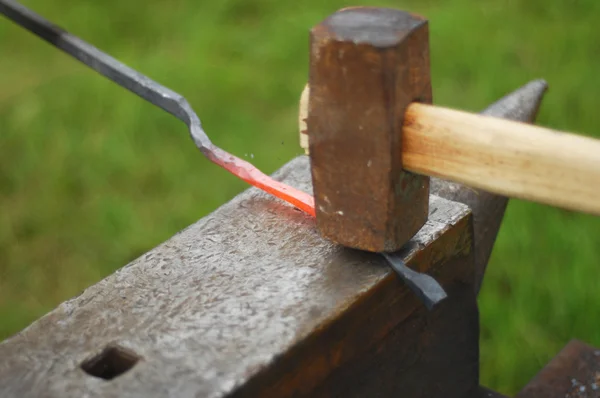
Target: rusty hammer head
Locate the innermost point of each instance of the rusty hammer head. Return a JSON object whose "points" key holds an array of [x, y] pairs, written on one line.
{"points": [[366, 66]]}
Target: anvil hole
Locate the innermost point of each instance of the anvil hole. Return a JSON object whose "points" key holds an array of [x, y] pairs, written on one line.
{"points": [[113, 361]]}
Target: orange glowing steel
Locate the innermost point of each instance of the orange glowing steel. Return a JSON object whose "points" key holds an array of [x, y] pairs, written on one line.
{"points": [[156, 94], [249, 173]]}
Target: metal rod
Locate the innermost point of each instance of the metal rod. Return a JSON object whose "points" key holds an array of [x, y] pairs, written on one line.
{"points": [[156, 94], [423, 285]]}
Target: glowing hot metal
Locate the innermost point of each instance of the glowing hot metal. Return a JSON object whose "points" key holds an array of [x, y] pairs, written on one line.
{"points": [[156, 94], [423, 285]]}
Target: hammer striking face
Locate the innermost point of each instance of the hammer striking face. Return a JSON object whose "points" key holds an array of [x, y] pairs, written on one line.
{"points": [[366, 66]]}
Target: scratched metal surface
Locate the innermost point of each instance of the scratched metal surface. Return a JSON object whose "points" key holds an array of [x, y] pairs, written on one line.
{"points": [[210, 307]]}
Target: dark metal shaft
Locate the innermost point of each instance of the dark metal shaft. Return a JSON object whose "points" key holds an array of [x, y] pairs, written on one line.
{"points": [[104, 64], [156, 94], [423, 285]]}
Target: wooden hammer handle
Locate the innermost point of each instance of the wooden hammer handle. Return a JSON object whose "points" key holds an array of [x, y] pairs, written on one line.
{"points": [[500, 156], [504, 157]]}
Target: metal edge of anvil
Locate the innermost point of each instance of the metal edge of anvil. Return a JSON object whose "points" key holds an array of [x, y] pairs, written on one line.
{"points": [[164, 305], [488, 209]]}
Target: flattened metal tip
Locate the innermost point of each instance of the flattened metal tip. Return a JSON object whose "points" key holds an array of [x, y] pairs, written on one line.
{"points": [[522, 104], [424, 286]]}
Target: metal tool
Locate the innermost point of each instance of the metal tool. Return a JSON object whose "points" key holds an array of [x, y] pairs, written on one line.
{"points": [[375, 140], [424, 286], [367, 65], [156, 94]]}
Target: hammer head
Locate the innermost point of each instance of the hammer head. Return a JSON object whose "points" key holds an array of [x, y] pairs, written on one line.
{"points": [[366, 66]]}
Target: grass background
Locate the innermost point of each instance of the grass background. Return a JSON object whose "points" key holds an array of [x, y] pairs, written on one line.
{"points": [[91, 176]]}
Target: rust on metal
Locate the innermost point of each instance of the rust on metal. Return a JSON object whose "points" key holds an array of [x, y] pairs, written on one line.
{"points": [[366, 66], [574, 372], [488, 208]]}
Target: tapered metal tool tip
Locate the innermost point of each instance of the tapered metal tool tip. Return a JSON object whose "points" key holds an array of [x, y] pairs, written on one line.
{"points": [[424, 286], [522, 104]]}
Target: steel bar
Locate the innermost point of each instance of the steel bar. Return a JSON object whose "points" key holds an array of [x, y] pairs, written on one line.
{"points": [[156, 94], [425, 286]]}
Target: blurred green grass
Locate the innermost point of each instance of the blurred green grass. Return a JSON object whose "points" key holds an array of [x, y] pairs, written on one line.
{"points": [[91, 176]]}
